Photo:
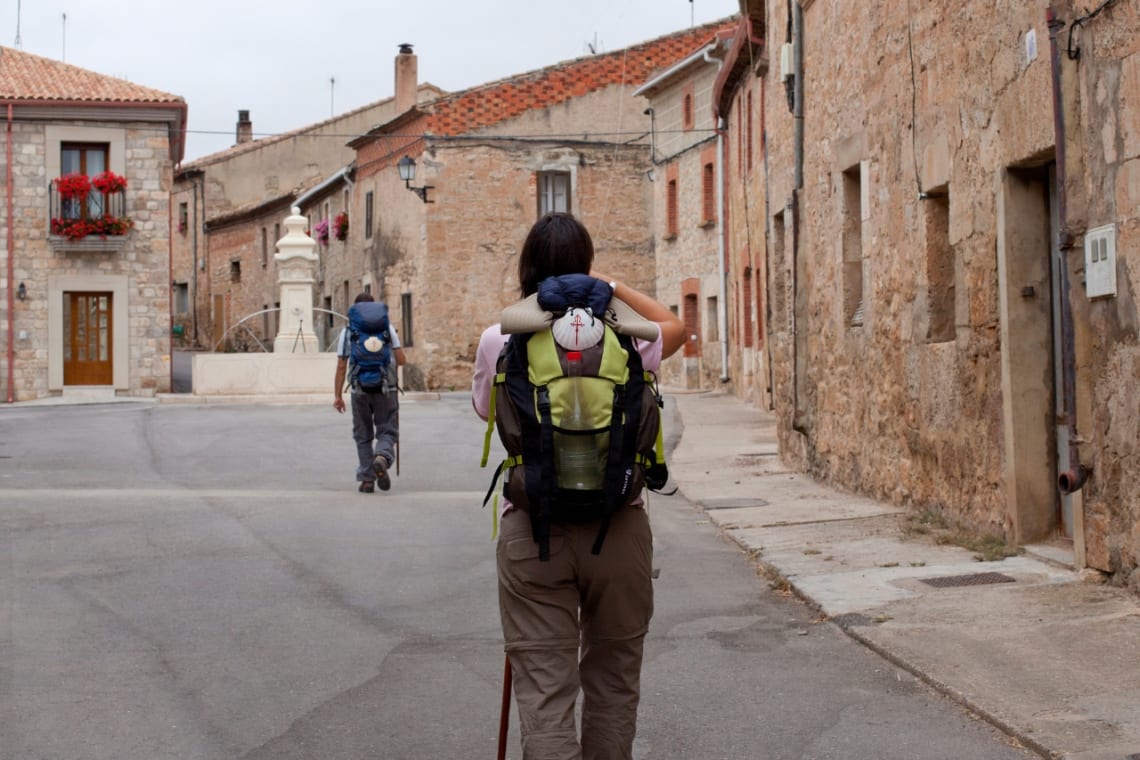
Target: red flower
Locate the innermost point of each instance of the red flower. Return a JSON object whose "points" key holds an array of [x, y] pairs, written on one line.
{"points": [[341, 225], [109, 182], [77, 229], [73, 186]]}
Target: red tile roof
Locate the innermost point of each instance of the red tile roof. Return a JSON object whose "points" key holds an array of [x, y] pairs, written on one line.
{"points": [[24, 76], [494, 102]]}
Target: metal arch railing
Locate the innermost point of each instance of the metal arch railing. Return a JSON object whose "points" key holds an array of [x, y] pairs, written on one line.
{"points": [[241, 323]]}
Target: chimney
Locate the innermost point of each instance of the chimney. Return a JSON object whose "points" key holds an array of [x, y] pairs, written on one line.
{"points": [[244, 128], [406, 79]]}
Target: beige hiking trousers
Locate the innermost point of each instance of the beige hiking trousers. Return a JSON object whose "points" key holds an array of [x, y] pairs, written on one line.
{"points": [[595, 606]]}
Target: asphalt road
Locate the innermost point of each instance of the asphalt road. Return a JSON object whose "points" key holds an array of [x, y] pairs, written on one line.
{"points": [[205, 582]]}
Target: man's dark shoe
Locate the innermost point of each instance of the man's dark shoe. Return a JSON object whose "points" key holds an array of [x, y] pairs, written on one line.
{"points": [[380, 464], [367, 486]]}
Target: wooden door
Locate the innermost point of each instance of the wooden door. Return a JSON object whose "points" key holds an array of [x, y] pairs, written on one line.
{"points": [[87, 349]]}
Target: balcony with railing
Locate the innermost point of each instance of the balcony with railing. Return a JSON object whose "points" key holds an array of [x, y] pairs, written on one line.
{"points": [[88, 213]]}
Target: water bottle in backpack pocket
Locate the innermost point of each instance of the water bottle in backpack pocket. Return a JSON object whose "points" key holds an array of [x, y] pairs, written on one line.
{"points": [[580, 448]]}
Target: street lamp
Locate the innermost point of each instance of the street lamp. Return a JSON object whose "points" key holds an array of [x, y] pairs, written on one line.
{"points": [[407, 167]]}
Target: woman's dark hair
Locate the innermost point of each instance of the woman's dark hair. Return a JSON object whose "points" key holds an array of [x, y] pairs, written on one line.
{"points": [[556, 244]]}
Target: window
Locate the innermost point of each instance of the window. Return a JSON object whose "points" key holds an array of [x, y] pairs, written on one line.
{"points": [[687, 111], [852, 231], [553, 192], [406, 319], [671, 209], [740, 135], [708, 194], [748, 133], [183, 217], [264, 247], [781, 283], [88, 159], [265, 320], [746, 304], [235, 270], [368, 215], [712, 320], [940, 277], [328, 310], [181, 298], [692, 321], [276, 234]]}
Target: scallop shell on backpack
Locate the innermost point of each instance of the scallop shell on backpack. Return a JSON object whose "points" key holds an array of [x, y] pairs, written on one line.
{"points": [[577, 329]]}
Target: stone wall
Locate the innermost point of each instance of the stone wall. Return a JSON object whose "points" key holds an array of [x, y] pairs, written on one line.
{"points": [[687, 260], [911, 335], [457, 258], [142, 366]]}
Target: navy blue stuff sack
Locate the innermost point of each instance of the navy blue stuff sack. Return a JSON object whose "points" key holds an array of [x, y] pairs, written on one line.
{"points": [[371, 352]]}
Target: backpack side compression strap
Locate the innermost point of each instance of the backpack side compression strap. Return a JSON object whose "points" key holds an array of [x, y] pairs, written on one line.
{"points": [[622, 362], [532, 403]]}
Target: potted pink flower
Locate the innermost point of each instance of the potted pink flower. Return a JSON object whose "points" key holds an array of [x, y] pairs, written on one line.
{"points": [[321, 230]]}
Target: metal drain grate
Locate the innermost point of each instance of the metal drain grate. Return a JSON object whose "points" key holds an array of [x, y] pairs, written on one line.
{"points": [[973, 579]]}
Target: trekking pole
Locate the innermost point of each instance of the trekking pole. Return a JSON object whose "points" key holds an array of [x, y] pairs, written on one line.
{"points": [[505, 713]]}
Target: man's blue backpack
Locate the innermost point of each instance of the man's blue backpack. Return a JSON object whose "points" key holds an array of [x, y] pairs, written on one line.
{"points": [[370, 353]]}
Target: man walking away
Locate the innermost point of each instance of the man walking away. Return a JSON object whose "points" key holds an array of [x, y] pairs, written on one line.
{"points": [[368, 352]]}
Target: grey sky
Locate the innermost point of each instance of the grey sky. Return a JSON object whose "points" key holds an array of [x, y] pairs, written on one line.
{"points": [[277, 59]]}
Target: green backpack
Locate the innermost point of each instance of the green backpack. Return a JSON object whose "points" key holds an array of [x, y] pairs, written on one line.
{"points": [[617, 426]]}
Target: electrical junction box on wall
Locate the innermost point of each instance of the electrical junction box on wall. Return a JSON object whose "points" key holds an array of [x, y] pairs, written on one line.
{"points": [[787, 65], [1100, 261]]}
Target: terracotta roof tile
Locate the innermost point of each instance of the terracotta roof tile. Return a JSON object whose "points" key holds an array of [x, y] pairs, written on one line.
{"points": [[24, 76], [498, 101]]}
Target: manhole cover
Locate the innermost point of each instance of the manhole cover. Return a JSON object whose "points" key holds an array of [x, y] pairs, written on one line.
{"points": [[973, 579], [851, 619]]}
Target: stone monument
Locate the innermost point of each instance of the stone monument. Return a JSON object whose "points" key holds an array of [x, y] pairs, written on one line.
{"points": [[296, 262]]}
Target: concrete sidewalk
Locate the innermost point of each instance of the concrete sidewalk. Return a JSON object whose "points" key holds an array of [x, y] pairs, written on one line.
{"points": [[1052, 660]]}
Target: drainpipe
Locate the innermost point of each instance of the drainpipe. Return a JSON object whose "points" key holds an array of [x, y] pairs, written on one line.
{"points": [[194, 244], [722, 274], [11, 263], [652, 134], [798, 420], [1074, 478]]}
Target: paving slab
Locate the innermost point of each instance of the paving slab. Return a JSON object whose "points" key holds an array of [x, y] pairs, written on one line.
{"points": [[1052, 660]]}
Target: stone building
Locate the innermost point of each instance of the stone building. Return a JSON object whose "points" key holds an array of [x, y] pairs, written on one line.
{"points": [[488, 162], [949, 209], [687, 153], [229, 207], [87, 268]]}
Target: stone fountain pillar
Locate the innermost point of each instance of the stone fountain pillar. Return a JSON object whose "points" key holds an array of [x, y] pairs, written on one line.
{"points": [[296, 263]]}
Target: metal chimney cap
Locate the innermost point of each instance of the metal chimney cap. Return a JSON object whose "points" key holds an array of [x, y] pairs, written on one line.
{"points": [[406, 48]]}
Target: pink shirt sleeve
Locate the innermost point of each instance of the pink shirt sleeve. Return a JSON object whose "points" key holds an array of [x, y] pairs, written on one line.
{"points": [[650, 352], [491, 343]]}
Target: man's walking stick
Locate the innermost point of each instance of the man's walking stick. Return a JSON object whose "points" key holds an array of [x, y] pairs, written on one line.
{"points": [[505, 713]]}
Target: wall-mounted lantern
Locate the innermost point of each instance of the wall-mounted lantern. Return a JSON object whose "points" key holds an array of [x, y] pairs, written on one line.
{"points": [[407, 167]]}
